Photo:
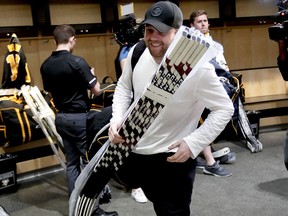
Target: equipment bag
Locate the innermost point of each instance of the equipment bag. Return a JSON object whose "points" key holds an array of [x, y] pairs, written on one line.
{"points": [[18, 122], [106, 96]]}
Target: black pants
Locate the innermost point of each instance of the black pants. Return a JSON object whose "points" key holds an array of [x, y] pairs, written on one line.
{"points": [[72, 129], [167, 185]]}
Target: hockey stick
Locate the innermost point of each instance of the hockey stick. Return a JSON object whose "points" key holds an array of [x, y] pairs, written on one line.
{"points": [[45, 118], [252, 142]]}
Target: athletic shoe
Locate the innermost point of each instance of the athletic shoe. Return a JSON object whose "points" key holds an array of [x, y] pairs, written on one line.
{"points": [[216, 170], [138, 195], [100, 212], [230, 158], [200, 162], [220, 152]]}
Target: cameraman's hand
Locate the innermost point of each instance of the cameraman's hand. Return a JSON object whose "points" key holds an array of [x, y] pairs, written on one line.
{"points": [[281, 43], [282, 50]]}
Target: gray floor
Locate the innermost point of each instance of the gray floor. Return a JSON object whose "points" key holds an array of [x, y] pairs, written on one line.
{"points": [[258, 186]]}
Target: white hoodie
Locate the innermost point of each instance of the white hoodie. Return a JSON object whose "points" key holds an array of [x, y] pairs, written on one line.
{"points": [[180, 117]]}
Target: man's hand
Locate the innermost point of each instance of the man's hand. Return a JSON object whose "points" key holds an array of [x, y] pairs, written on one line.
{"points": [[183, 153], [114, 136]]}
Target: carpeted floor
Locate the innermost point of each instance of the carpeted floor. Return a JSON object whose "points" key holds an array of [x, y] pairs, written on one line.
{"points": [[258, 187]]}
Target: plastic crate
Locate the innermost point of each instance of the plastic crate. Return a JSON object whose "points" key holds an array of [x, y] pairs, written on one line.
{"points": [[8, 175]]}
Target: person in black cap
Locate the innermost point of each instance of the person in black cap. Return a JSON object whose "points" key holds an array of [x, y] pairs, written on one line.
{"points": [[162, 162], [67, 78]]}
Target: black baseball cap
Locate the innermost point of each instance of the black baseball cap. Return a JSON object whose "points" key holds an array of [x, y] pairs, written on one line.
{"points": [[163, 16]]}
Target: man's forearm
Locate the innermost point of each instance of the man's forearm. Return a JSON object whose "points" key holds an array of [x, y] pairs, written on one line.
{"points": [[282, 50]]}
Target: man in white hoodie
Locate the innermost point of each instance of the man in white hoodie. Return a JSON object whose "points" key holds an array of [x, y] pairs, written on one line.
{"points": [[162, 163]]}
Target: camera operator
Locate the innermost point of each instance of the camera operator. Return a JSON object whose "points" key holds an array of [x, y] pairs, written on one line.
{"points": [[282, 62], [279, 33], [127, 36]]}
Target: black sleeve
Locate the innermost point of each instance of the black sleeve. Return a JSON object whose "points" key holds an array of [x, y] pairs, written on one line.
{"points": [[85, 73], [283, 67]]}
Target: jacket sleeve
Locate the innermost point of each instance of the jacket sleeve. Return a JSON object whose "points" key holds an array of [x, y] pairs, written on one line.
{"points": [[214, 97], [283, 67]]}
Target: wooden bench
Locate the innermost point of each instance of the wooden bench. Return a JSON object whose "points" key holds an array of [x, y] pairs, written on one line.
{"points": [[32, 156], [273, 109]]}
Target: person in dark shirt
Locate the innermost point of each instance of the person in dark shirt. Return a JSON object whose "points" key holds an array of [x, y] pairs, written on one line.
{"points": [[68, 77], [282, 63]]}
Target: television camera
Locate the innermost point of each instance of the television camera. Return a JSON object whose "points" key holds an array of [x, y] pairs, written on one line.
{"points": [[128, 31], [280, 30]]}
